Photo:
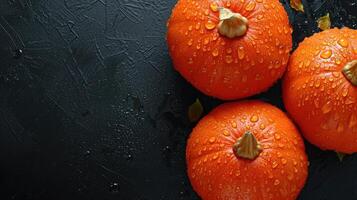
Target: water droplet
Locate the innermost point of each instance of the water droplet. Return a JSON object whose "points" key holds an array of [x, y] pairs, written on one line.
{"points": [[277, 136], [276, 182], [198, 25], [114, 187], [241, 53], [275, 165], [237, 173], [190, 42], [206, 12], [190, 61], [229, 59], [254, 118], [326, 54], [206, 41], [210, 25], [215, 157], [215, 52], [338, 62], [336, 74], [262, 126], [234, 125], [228, 4], [198, 46], [229, 50], [214, 7], [296, 170], [190, 28], [345, 92], [226, 133], [259, 1], [343, 42], [281, 145], [327, 108], [340, 127], [250, 6], [212, 140], [260, 17], [284, 161]]}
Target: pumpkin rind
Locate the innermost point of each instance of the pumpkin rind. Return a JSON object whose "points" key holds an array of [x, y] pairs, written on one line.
{"points": [[278, 172], [317, 94], [223, 67]]}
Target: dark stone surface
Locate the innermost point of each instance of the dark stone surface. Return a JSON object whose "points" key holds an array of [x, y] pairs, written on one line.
{"points": [[91, 108]]}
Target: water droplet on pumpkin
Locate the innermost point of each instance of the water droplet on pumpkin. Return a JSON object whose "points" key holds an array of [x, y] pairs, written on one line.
{"points": [[214, 7], [259, 1], [276, 182], [343, 42], [340, 127], [326, 108], [275, 165], [228, 4], [190, 28], [190, 42], [262, 126], [326, 54], [210, 25], [226, 133], [234, 125], [296, 170], [241, 53], [206, 12], [345, 92], [229, 59], [212, 140], [215, 52], [215, 157], [260, 17], [250, 6], [284, 161], [338, 61], [237, 173], [336, 74], [277, 136], [254, 118], [229, 50]]}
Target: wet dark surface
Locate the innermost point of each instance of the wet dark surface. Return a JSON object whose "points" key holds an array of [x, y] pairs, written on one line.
{"points": [[90, 107]]}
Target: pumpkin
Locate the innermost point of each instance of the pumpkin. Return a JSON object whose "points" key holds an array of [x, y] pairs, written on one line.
{"points": [[229, 49], [246, 150], [320, 89]]}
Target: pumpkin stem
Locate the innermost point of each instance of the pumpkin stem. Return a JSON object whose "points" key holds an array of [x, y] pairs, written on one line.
{"points": [[350, 72], [247, 146], [231, 24]]}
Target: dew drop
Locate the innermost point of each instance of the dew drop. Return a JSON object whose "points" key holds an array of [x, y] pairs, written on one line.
{"points": [[250, 6], [226, 133], [343, 42], [214, 7], [190, 28], [326, 54], [215, 52], [237, 173], [241, 53], [259, 1], [327, 108], [262, 126], [277, 136], [229, 50], [234, 125], [190, 42], [229, 59], [345, 92], [254, 118], [212, 140], [275, 165], [284, 161], [215, 157], [206, 12], [260, 17], [276, 182], [210, 25]]}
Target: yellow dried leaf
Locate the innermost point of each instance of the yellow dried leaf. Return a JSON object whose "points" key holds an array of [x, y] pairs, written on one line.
{"points": [[195, 111], [297, 5], [324, 22]]}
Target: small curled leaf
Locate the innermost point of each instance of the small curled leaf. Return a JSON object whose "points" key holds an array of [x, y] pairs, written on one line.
{"points": [[324, 22], [340, 156], [297, 5], [195, 111]]}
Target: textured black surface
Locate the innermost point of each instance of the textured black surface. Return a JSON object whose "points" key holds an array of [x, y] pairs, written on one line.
{"points": [[90, 107]]}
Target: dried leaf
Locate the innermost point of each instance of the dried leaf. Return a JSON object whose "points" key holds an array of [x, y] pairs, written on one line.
{"points": [[324, 22], [297, 5], [340, 156], [195, 111]]}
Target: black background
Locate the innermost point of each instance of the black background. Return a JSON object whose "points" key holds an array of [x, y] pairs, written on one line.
{"points": [[91, 108]]}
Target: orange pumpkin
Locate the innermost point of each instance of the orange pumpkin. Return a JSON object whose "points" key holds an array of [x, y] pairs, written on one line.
{"points": [[320, 89], [246, 150], [229, 49]]}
